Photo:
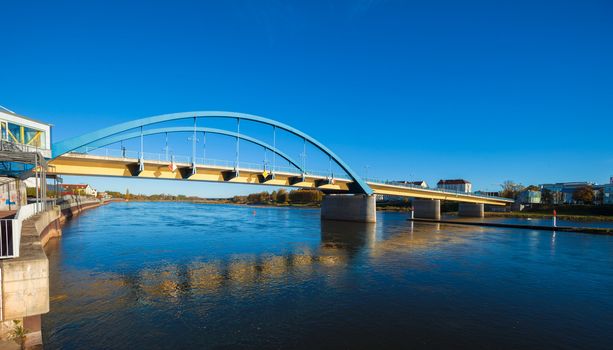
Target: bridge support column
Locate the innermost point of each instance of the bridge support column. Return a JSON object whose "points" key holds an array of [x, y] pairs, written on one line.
{"points": [[358, 208], [474, 210], [427, 208]]}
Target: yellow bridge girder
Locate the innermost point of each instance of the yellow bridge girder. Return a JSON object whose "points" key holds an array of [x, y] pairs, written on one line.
{"points": [[88, 165], [91, 165]]}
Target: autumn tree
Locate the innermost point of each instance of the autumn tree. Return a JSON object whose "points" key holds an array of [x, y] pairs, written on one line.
{"points": [[510, 189], [305, 196], [584, 194]]}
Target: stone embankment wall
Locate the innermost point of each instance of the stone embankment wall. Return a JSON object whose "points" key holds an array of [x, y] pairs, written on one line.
{"points": [[24, 281]]}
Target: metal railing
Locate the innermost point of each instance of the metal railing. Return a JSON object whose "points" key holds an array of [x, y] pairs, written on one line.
{"points": [[10, 237], [441, 190], [109, 153], [7, 145], [10, 230]]}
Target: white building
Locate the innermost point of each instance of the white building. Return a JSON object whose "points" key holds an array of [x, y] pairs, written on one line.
{"points": [[457, 185], [27, 134], [80, 189]]}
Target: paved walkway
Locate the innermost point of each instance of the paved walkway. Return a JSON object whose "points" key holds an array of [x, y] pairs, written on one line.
{"points": [[9, 345], [7, 214]]}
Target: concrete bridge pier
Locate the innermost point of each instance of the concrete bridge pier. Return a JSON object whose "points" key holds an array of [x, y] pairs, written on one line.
{"points": [[427, 209], [473, 210], [343, 207]]}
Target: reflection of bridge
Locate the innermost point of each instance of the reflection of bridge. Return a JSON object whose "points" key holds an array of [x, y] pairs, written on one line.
{"points": [[85, 155], [341, 246]]}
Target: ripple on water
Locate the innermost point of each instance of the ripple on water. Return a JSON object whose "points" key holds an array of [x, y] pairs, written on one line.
{"points": [[178, 275]]}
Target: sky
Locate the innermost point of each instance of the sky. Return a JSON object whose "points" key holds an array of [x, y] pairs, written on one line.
{"points": [[483, 90]]}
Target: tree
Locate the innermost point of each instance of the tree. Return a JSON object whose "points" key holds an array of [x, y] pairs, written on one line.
{"points": [[584, 195], [510, 189], [273, 196], [282, 196], [305, 196], [258, 198]]}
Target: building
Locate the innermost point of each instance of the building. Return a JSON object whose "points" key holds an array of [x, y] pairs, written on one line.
{"points": [[420, 183], [562, 192], [607, 193], [26, 134], [458, 185], [603, 194], [529, 197], [79, 189]]}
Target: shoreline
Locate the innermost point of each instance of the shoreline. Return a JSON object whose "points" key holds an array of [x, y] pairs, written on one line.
{"points": [[519, 215], [588, 230], [526, 215]]}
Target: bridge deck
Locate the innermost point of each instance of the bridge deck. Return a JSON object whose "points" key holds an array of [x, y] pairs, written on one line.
{"points": [[93, 165]]}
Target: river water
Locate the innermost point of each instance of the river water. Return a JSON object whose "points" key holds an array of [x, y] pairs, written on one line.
{"points": [[194, 276]]}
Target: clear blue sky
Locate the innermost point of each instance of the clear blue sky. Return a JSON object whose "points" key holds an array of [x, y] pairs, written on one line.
{"points": [[482, 90]]}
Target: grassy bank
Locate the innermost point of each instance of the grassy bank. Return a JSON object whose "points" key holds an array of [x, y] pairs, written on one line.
{"points": [[540, 215]]}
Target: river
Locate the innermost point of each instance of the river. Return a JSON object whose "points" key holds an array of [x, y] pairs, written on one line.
{"points": [[195, 276]]}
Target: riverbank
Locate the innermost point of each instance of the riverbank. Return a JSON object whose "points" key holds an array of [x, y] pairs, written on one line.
{"points": [[262, 205], [25, 279], [533, 215], [591, 230]]}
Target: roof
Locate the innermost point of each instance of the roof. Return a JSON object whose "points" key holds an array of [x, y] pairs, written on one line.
{"points": [[453, 182], [9, 112], [76, 186]]}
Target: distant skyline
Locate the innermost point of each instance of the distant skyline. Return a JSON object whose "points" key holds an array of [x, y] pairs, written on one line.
{"points": [[484, 91]]}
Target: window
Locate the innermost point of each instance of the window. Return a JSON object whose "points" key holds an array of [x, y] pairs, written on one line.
{"points": [[3, 131], [22, 134]]}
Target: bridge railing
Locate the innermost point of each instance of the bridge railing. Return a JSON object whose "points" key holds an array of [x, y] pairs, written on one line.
{"points": [[446, 191], [110, 153]]}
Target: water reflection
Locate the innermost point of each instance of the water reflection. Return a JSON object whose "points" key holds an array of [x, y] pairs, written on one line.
{"points": [[284, 276], [340, 242]]}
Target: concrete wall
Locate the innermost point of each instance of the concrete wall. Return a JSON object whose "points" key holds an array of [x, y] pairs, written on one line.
{"points": [[358, 208], [13, 190], [474, 210], [25, 280], [427, 209]]}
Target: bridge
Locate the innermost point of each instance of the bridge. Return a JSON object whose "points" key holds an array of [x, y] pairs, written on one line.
{"points": [[349, 197]]}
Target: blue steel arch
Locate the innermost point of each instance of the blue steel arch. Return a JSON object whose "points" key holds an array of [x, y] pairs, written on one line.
{"points": [[122, 137], [72, 144]]}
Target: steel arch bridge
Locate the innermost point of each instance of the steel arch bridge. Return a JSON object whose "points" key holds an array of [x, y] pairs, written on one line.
{"points": [[68, 158], [135, 129]]}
